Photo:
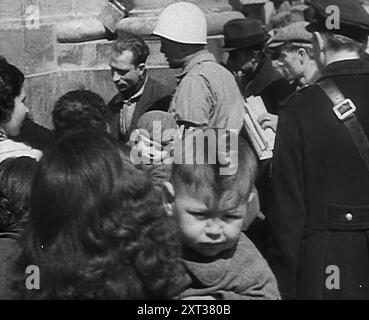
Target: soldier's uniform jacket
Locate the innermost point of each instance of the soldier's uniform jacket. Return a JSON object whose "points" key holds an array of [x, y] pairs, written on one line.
{"points": [[320, 216]]}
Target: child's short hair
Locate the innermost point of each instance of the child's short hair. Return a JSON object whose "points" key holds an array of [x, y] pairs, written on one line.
{"points": [[79, 110], [16, 176], [206, 180]]}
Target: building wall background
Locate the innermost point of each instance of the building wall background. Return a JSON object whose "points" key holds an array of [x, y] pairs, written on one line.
{"points": [[28, 40]]}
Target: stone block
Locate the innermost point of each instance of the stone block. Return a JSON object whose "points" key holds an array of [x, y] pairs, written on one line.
{"points": [[149, 4], [44, 90], [84, 55], [12, 46], [156, 58], [50, 7], [69, 54], [83, 7], [39, 49], [104, 51], [11, 9], [80, 30], [40, 94]]}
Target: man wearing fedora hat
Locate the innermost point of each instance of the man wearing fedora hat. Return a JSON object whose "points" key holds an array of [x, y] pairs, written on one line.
{"points": [[245, 40], [319, 224]]}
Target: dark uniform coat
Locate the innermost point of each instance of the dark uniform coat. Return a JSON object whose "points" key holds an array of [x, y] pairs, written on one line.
{"points": [[156, 96], [320, 182]]}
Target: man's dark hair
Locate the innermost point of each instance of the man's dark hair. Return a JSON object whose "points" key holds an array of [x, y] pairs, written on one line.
{"points": [[135, 44], [79, 110]]}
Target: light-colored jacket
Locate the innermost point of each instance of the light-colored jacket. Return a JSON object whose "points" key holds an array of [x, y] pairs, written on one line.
{"points": [[12, 149]]}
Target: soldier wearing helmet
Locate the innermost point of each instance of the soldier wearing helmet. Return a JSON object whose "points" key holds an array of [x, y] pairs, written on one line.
{"points": [[207, 93]]}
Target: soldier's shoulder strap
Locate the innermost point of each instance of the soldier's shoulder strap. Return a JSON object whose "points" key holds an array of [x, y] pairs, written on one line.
{"points": [[344, 110]]}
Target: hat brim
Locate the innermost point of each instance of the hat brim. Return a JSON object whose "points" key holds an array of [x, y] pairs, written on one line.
{"points": [[245, 42], [275, 44], [313, 27]]}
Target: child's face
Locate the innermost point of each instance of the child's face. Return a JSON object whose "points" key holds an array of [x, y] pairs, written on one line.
{"points": [[206, 230]]}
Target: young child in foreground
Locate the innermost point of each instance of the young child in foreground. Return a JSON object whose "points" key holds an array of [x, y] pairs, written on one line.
{"points": [[212, 210]]}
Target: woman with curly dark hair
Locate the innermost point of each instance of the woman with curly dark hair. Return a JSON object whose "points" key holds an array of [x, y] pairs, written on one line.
{"points": [[12, 112], [79, 110], [98, 228], [15, 190]]}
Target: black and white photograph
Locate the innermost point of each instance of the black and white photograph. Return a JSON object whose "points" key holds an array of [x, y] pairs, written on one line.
{"points": [[177, 151]]}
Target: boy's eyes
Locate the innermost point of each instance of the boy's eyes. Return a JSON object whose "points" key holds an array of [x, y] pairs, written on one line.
{"points": [[204, 216], [199, 215], [232, 217]]}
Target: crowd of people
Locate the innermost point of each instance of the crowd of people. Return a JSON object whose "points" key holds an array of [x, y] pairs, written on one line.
{"points": [[159, 193]]}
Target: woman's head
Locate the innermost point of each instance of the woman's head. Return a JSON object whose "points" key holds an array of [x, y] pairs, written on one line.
{"points": [[98, 228], [79, 110], [16, 176], [12, 96]]}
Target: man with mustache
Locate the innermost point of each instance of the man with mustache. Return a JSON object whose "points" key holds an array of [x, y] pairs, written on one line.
{"points": [[138, 92]]}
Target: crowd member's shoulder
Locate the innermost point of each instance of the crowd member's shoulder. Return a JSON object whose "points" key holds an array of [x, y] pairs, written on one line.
{"points": [[35, 135], [115, 103], [161, 89], [300, 99], [282, 87], [365, 57]]}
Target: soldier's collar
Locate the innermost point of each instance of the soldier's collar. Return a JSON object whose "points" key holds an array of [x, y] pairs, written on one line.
{"points": [[194, 59], [345, 67]]}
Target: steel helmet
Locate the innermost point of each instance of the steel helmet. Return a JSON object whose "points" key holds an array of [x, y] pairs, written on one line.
{"points": [[182, 22]]}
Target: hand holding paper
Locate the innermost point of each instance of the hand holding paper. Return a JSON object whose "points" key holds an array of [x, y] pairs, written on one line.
{"points": [[261, 138]]}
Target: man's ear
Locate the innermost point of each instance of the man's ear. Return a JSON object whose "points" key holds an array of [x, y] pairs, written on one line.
{"points": [[302, 54], [142, 68], [169, 194], [319, 40]]}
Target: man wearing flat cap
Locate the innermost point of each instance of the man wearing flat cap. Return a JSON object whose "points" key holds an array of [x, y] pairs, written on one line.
{"points": [[245, 40], [296, 58], [319, 224], [296, 54]]}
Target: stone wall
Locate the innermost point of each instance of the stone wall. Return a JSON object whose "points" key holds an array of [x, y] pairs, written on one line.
{"points": [[27, 36], [28, 40]]}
